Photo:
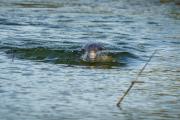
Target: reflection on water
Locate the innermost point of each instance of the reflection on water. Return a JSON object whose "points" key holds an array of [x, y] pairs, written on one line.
{"points": [[42, 75]]}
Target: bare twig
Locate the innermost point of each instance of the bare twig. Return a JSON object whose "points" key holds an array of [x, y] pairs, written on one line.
{"points": [[136, 80], [145, 65]]}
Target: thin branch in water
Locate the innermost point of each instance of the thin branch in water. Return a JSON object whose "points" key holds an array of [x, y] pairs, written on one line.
{"points": [[140, 72], [121, 99], [136, 80]]}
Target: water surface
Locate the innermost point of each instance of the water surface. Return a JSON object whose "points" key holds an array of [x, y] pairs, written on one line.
{"points": [[42, 76]]}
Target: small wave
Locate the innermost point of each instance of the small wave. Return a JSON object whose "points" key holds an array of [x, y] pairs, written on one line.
{"points": [[6, 22], [38, 5], [66, 56]]}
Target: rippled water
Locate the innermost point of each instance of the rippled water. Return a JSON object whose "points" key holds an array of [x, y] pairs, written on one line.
{"points": [[43, 78]]}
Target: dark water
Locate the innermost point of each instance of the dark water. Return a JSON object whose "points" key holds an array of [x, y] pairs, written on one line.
{"points": [[43, 78]]}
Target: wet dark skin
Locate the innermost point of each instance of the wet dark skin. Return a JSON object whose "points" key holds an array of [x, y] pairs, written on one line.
{"points": [[93, 53]]}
